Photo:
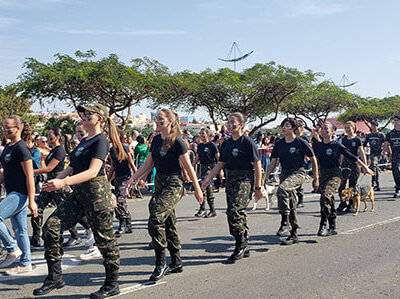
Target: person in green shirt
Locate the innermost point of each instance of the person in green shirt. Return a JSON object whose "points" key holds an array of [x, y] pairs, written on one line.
{"points": [[141, 151]]}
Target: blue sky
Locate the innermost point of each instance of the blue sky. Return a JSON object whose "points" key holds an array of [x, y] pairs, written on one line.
{"points": [[356, 38]]}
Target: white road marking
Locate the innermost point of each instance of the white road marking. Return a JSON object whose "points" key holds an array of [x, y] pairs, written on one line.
{"points": [[41, 268], [356, 230]]}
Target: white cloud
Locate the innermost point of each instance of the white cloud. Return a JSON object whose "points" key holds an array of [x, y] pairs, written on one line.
{"points": [[314, 8], [105, 32], [7, 22]]}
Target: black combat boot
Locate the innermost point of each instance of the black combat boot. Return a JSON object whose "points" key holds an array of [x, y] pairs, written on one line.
{"points": [[128, 226], [110, 287], [323, 231], [332, 227], [53, 280], [376, 188], [285, 227], [396, 193], [201, 213], [212, 212], [121, 228], [292, 239], [241, 249], [176, 262], [341, 206], [161, 265]]}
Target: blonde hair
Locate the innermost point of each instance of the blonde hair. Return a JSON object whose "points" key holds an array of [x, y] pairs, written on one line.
{"points": [[351, 124], [25, 127], [115, 138], [175, 129]]}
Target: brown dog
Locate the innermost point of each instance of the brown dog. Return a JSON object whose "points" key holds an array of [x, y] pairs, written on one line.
{"points": [[358, 194]]}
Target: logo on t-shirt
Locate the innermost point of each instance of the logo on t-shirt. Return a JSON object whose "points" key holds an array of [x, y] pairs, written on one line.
{"points": [[7, 158], [162, 152], [79, 151], [353, 143], [235, 152], [329, 152], [292, 150], [206, 149]]}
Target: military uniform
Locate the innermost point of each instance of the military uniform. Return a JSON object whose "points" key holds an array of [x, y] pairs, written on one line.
{"points": [[393, 137], [239, 156], [328, 155], [291, 156], [375, 141], [350, 170]]}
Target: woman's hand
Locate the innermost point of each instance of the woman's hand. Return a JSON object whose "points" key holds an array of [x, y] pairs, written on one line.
{"points": [[205, 183], [199, 196], [54, 184], [33, 208], [258, 194]]}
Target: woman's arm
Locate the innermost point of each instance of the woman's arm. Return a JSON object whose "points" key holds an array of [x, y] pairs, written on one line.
{"points": [[257, 178], [185, 161], [217, 168], [90, 173], [131, 164], [361, 153], [66, 172], [27, 167], [1, 176], [271, 167], [53, 163], [110, 175]]}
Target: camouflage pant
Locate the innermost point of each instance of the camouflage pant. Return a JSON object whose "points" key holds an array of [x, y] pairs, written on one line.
{"points": [[42, 202], [239, 188], [204, 171], [121, 211], [374, 166], [329, 183], [350, 172], [91, 199], [290, 181], [396, 169], [162, 220], [300, 194]]}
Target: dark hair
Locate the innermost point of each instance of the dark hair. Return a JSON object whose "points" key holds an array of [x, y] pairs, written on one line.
{"points": [[63, 139], [140, 139], [292, 121], [216, 137]]}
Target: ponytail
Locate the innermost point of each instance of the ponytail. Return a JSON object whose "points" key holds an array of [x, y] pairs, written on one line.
{"points": [[116, 141], [63, 139], [175, 129]]}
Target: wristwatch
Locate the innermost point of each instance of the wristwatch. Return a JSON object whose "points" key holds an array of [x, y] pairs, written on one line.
{"points": [[257, 188]]}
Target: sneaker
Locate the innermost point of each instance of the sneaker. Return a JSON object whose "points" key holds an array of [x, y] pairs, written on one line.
{"points": [[211, 214], [93, 253], [72, 242], [376, 188], [35, 242], [396, 194], [300, 205], [19, 270], [201, 213], [90, 239], [11, 258]]}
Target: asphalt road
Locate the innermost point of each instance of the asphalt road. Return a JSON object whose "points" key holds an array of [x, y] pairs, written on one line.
{"points": [[362, 261]]}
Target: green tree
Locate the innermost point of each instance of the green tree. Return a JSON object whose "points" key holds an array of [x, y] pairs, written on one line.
{"points": [[66, 124], [315, 102], [11, 102], [369, 109], [84, 80]]}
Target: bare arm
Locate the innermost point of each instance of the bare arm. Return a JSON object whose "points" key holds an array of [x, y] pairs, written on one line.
{"points": [[361, 153], [66, 172], [53, 163], [196, 160], [144, 169], [27, 167], [1, 176], [185, 161], [217, 168], [110, 175], [271, 167], [131, 164]]}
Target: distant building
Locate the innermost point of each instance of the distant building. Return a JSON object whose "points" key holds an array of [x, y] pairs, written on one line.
{"points": [[187, 119], [360, 125]]}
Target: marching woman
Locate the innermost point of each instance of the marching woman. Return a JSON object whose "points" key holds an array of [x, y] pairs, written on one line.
{"points": [[54, 162], [290, 151], [328, 152], [240, 157], [208, 155], [350, 169], [91, 197], [17, 176], [120, 171], [167, 153]]}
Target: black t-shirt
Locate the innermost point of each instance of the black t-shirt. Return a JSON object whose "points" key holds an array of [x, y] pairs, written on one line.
{"points": [[11, 158], [352, 144], [393, 137], [375, 141], [59, 154], [167, 162], [291, 155], [82, 155], [122, 169], [328, 154], [206, 152], [239, 154]]}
